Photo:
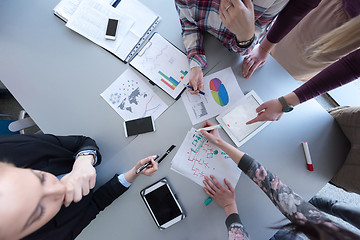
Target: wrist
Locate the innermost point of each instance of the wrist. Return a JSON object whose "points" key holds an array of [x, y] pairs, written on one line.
{"points": [[241, 37], [267, 46], [221, 143], [130, 175], [92, 153], [230, 209], [245, 42], [292, 99], [86, 158]]}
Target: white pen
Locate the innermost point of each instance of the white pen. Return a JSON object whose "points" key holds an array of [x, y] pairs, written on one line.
{"points": [[208, 128], [307, 156]]}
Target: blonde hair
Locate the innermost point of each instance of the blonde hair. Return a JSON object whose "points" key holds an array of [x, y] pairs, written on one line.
{"points": [[340, 37]]}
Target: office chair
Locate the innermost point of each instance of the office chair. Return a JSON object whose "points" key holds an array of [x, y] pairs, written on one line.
{"points": [[11, 126]]}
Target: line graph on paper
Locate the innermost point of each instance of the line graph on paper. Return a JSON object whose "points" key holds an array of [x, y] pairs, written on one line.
{"points": [[163, 64], [197, 158], [159, 62], [131, 98]]}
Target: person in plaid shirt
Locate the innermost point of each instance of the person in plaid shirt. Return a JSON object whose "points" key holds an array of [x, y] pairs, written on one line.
{"points": [[238, 24]]}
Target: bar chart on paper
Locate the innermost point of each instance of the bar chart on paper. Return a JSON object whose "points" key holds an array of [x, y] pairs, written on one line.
{"points": [[170, 81], [163, 64]]}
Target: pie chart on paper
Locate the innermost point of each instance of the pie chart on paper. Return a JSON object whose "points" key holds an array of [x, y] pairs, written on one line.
{"points": [[218, 92]]}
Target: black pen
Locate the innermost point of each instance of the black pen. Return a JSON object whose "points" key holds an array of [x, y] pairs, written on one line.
{"points": [[147, 164], [167, 152]]}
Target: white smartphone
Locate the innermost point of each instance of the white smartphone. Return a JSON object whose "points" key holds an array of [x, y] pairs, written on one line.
{"points": [[111, 29], [162, 204], [138, 126]]}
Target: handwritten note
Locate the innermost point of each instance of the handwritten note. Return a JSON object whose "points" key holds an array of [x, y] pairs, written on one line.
{"points": [[197, 158]]}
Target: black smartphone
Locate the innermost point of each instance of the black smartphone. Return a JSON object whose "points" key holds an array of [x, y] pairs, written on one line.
{"points": [[111, 29], [138, 126]]}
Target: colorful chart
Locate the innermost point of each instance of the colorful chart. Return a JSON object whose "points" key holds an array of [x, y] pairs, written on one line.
{"points": [[170, 81], [218, 91]]}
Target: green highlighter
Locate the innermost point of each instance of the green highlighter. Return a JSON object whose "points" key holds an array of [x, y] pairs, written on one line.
{"points": [[208, 201]]}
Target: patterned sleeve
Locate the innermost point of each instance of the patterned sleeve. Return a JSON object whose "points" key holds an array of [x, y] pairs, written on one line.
{"points": [[235, 228], [283, 197], [193, 38], [264, 17]]}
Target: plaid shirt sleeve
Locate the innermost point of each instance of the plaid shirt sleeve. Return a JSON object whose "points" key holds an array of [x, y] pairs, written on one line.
{"points": [[264, 18], [192, 36]]}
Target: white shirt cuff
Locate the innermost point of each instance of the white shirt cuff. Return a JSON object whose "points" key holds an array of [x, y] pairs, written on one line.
{"points": [[123, 181]]}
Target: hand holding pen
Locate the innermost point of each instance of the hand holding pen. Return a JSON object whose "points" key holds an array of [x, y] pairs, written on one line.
{"points": [[147, 164], [131, 175], [192, 89], [155, 158]]}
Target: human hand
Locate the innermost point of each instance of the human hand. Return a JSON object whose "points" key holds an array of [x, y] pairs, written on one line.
{"points": [[257, 57], [148, 171], [213, 135], [238, 17], [196, 80], [253, 61], [268, 111], [80, 180], [224, 196]]}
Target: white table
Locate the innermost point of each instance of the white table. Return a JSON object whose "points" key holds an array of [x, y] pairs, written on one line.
{"points": [[57, 76]]}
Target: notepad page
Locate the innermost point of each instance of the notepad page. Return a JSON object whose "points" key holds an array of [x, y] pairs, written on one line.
{"points": [[143, 20], [90, 20], [66, 8]]}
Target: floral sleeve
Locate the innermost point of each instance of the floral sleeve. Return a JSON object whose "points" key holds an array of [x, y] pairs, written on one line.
{"points": [[235, 228], [283, 197]]}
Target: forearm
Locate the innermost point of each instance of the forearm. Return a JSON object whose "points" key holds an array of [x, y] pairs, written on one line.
{"points": [[230, 209], [193, 41], [289, 17], [284, 198], [337, 74], [131, 175], [292, 99], [267, 46], [192, 37], [235, 227], [230, 150]]}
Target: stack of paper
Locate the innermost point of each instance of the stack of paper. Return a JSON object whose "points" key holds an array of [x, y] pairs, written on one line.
{"points": [[197, 158], [89, 18], [222, 92]]}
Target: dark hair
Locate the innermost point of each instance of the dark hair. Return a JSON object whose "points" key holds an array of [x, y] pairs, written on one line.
{"points": [[320, 231]]}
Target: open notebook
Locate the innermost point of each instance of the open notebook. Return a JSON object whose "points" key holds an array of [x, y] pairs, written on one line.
{"points": [[89, 18]]}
